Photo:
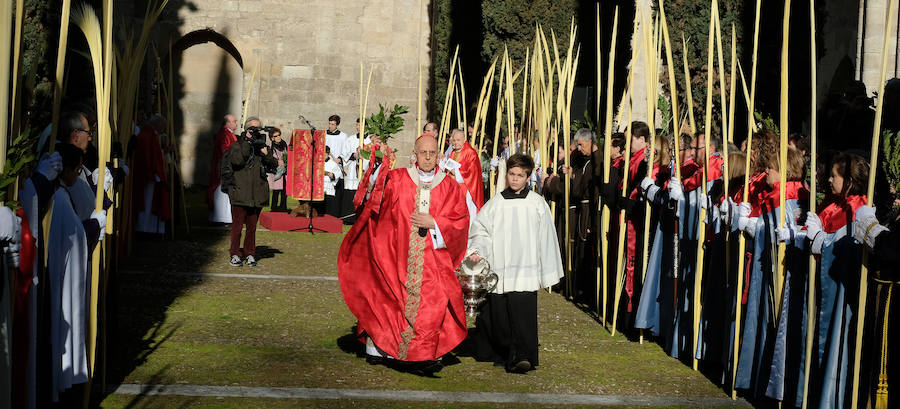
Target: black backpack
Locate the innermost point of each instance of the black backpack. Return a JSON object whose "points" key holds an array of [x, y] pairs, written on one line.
{"points": [[226, 172]]}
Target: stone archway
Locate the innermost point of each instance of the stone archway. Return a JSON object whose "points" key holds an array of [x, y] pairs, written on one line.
{"points": [[210, 70]]}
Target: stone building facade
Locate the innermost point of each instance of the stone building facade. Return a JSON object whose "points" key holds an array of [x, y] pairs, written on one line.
{"points": [[307, 58]]}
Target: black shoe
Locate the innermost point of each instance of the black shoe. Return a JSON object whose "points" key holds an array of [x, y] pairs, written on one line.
{"points": [[427, 368], [374, 360], [251, 261], [521, 367], [236, 261]]}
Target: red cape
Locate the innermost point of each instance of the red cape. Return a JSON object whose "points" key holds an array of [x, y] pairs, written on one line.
{"points": [[223, 141], [409, 314], [837, 211], [634, 165], [149, 162], [691, 173], [471, 172]]}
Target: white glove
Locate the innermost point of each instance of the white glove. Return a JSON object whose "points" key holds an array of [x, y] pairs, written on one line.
{"points": [[704, 201], [751, 226], [12, 254], [676, 192], [726, 210], [495, 162], [50, 166], [814, 232], [866, 227], [646, 183], [107, 179], [10, 225], [100, 217], [648, 186], [743, 216], [791, 234]]}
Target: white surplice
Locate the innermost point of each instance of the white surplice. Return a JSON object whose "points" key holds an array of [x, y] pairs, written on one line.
{"points": [[221, 209], [147, 222], [69, 281], [517, 237]]}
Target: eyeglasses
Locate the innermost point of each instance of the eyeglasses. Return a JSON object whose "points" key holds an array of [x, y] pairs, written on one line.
{"points": [[83, 130]]}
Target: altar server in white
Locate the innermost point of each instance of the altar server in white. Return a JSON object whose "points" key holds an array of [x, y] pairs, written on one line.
{"points": [[514, 233]]}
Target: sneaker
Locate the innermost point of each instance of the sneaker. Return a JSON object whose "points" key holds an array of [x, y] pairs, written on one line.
{"points": [[236, 261], [251, 261]]}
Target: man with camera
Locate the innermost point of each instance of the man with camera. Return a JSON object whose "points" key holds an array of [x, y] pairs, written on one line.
{"points": [[244, 177]]}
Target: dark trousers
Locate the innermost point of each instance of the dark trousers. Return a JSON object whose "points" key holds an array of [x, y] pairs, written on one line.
{"points": [[279, 200], [332, 206], [347, 206], [506, 329], [241, 216]]}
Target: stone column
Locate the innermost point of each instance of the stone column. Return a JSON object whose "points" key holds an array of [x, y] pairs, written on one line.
{"points": [[639, 81], [871, 37]]}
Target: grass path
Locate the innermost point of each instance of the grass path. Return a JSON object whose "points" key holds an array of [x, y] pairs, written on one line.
{"points": [[177, 329]]}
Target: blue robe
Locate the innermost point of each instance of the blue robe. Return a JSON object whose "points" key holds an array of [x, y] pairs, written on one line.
{"points": [[751, 372], [839, 278], [785, 381]]}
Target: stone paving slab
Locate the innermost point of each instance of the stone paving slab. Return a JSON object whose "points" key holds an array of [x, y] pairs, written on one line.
{"points": [[419, 396]]}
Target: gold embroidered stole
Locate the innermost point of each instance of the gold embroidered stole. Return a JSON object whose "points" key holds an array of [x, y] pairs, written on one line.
{"points": [[415, 262]]}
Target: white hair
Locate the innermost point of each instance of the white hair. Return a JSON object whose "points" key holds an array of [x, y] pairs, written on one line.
{"points": [[585, 134]]}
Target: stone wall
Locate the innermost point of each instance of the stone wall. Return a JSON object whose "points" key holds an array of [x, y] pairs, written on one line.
{"points": [[307, 59]]}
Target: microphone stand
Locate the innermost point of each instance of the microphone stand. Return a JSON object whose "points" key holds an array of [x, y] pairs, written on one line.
{"points": [[312, 156]]}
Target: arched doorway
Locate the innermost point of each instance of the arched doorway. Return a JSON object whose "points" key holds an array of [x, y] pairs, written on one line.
{"points": [[210, 70]]}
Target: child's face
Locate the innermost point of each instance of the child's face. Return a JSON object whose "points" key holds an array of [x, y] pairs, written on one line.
{"points": [[516, 178], [836, 181], [638, 143]]}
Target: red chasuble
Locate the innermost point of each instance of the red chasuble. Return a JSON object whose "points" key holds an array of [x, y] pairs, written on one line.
{"points": [[149, 162], [223, 141], [471, 172], [302, 184], [402, 290]]}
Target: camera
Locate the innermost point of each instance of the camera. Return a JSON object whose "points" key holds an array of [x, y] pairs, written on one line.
{"points": [[258, 135]]}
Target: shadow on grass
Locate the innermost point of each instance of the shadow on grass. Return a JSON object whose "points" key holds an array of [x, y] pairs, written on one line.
{"points": [[263, 252], [143, 399], [139, 305], [350, 344]]}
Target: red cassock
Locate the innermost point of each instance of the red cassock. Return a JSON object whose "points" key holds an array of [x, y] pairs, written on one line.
{"points": [[149, 162], [633, 220], [402, 290], [470, 170], [223, 141]]}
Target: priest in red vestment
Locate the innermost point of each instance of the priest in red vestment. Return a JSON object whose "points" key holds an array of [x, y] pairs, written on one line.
{"points": [[470, 165], [397, 264], [151, 189]]}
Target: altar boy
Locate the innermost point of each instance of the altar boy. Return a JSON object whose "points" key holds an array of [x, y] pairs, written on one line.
{"points": [[514, 233]]}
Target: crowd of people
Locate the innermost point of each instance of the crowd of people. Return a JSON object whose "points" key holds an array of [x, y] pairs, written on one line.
{"points": [[64, 203], [741, 310]]}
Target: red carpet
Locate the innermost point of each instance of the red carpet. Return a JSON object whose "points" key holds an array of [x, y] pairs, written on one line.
{"points": [[284, 222]]}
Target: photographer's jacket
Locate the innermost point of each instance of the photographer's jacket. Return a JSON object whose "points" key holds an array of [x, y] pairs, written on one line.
{"points": [[250, 188]]}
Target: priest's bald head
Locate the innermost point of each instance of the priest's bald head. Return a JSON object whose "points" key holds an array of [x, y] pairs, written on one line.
{"points": [[426, 152]]}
